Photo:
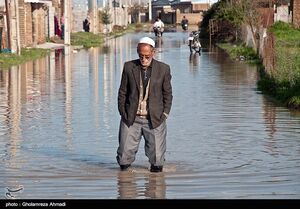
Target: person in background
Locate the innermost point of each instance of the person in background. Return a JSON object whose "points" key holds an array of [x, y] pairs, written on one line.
{"points": [[144, 103], [158, 27], [62, 26], [184, 23], [57, 30], [86, 25]]}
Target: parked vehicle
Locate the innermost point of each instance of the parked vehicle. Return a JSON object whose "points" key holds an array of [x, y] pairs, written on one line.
{"points": [[194, 42]]}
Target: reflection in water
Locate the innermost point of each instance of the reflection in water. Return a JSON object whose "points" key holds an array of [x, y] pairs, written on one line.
{"points": [[270, 118], [12, 116], [127, 185], [194, 60], [270, 123], [158, 47], [154, 186], [68, 94], [158, 44]]}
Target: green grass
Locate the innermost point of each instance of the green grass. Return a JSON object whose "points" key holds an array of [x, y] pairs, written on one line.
{"points": [[8, 59], [284, 82], [236, 51], [86, 39], [287, 51], [285, 34], [281, 91]]}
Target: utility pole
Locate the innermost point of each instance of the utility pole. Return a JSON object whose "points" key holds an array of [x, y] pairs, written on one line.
{"points": [[67, 23], [18, 28], [115, 17], [15, 28], [139, 17], [34, 24], [95, 17], [150, 10], [8, 24]]}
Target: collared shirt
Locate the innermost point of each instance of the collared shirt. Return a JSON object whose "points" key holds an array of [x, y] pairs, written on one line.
{"points": [[146, 74]]}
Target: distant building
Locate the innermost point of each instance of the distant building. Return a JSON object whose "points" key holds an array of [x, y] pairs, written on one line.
{"points": [[172, 11], [80, 12]]}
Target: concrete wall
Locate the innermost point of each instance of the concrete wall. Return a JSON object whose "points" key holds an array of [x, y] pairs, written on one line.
{"points": [[282, 14], [79, 17], [119, 17]]}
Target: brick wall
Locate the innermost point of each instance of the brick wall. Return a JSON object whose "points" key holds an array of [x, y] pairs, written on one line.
{"points": [[296, 13], [198, 7], [194, 18], [22, 22], [32, 23], [25, 23], [40, 24]]}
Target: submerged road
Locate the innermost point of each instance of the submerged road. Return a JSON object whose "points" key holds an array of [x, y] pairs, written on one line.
{"points": [[59, 127]]}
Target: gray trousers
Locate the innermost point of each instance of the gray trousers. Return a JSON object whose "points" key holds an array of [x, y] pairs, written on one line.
{"points": [[130, 137]]}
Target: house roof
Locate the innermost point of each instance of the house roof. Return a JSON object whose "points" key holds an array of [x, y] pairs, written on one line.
{"points": [[157, 3], [161, 3]]}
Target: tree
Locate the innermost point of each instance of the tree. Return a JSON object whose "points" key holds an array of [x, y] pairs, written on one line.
{"points": [[105, 16], [232, 13], [239, 12]]}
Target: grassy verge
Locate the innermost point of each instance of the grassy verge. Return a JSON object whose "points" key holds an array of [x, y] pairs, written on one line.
{"points": [[7, 59], [284, 82], [92, 40], [86, 39], [240, 52]]}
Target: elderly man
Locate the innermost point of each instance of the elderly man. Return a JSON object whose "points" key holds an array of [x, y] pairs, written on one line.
{"points": [[144, 102]]}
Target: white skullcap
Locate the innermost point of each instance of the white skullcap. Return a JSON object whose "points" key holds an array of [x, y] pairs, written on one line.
{"points": [[147, 40]]}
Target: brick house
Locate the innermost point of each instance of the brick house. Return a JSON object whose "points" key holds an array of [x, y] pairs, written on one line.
{"points": [[35, 22]]}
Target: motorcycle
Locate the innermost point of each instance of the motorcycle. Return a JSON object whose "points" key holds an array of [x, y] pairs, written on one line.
{"points": [[158, 31], [184, 26], [194, 42]]}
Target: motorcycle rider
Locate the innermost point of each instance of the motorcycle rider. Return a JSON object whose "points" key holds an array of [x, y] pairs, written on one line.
{"points": [[158, 27], [184, 23], [191, 39], [194, 42]]}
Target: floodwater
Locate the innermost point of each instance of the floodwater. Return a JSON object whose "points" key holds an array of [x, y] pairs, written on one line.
{"points": [[59, 128]]}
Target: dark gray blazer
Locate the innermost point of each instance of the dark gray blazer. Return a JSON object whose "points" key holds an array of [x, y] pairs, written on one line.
{"points": [[160, 92]]}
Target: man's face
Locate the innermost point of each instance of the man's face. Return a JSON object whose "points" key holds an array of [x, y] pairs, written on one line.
{"points": [[145, 53]]}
